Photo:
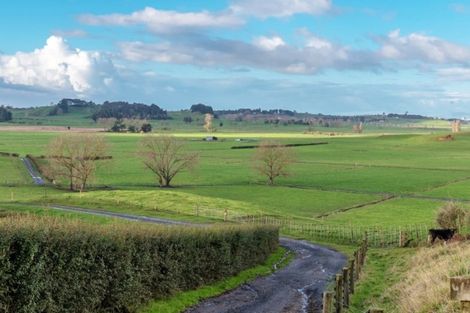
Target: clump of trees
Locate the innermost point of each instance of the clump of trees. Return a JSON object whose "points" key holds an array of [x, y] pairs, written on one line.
{"points": [[201, 108], [63, 106], [73, 158], [272, 160], [166, 157], [452, 216], [125, 125], [146, 128], [5, 114], [121, 110]]}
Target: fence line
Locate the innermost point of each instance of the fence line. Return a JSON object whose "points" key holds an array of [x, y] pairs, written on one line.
{"points": [[386, 236], [339, 299]]}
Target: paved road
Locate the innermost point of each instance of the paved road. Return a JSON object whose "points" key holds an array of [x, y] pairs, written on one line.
{"points": [[136, 218], [33, 171]]}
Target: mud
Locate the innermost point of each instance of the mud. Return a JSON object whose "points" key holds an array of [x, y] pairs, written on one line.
{"points": [[295, 288]]}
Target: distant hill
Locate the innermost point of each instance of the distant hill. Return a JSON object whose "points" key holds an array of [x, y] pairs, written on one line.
{"points": [[81, 113]]}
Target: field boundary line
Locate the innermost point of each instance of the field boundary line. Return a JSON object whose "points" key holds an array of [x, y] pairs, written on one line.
{"points": [[387, 166], [455, 181], [357, 206]]}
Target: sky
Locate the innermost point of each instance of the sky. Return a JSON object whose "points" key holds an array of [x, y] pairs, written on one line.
{"points": [[319, 56]]}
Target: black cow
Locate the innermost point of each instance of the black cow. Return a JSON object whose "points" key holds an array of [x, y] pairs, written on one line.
{"points": [[441, 234]]}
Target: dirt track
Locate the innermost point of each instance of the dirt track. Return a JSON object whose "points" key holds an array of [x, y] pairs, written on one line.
{"points": [[296, 288]]}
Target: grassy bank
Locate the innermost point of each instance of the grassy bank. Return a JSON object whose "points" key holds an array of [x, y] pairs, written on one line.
{"points": [[184, 300]]}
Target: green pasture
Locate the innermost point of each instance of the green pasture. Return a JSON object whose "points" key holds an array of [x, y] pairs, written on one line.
{"points": [[12, 171], [393, 212], [81, 117], [77, 117], [336, 183], [458, 190]]}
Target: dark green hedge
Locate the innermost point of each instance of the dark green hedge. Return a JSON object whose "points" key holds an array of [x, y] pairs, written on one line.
{"points": [[54, 265]]}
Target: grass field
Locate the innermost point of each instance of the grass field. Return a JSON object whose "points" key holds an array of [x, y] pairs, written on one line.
{"points": [[354, 181], [344, 182]]}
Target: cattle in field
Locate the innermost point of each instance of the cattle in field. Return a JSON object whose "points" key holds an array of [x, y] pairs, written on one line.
{"points": [[441, 234]]}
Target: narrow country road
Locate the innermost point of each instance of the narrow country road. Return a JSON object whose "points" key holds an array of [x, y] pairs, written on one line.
{"points": [[129, 217], [33, 171], [295, 288]]}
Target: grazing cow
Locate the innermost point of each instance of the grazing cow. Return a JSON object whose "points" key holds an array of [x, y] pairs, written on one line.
{"points": [[441, 234]]}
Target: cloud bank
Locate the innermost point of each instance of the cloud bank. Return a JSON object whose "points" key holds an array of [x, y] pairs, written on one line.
{"points": [[57, 66]]}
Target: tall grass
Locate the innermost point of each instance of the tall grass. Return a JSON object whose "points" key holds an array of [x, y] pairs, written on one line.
{"points": [[425, 287], [57, 265]]}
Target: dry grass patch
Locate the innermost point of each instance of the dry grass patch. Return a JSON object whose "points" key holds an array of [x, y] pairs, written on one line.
{"points": [[425, 287]]}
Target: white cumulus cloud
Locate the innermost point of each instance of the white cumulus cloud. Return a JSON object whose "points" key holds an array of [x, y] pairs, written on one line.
{"points": [[269, 43], [163, 21], [280, 8], [420, 47], [57, 66], [269, 53]]}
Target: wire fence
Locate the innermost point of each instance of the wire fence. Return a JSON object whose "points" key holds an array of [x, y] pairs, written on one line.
{"points": [[378, 236]]}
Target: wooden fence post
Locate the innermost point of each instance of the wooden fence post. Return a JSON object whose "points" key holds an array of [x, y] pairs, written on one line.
{"points": [[346, 287], [351, 276], [358, 266], [460, 288], [339, 293], [465, 306], [400, 238], [327, 302]]}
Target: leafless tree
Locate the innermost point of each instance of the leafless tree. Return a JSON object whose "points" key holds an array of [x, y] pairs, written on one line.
{"points": [[272, 160], [73, 158], [208, 122], [165, 156]]}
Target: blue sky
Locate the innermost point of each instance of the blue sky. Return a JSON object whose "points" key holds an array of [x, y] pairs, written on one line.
{"points": [[341, 57]]}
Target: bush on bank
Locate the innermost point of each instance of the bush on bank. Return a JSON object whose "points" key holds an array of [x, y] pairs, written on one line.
{"points": [[57, 265]]}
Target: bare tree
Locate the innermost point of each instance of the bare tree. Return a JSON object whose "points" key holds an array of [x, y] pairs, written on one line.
{"points": [[272, 160], [73, 157], [208, 122], [165, 156]]}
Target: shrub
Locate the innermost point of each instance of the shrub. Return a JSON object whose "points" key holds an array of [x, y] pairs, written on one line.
{"points": [[146, 128], [451, 215], [57, 265]]}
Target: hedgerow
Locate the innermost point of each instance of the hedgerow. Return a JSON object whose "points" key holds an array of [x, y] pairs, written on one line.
{"points": [[58, 265]]}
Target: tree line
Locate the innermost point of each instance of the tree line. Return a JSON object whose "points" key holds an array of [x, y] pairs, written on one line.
{"points": [[73, 159], [5, 114], [121, 110]]}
